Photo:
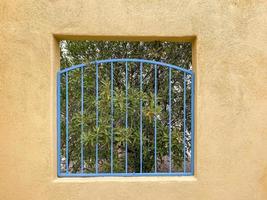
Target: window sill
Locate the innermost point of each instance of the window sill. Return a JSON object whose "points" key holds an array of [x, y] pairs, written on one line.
{"points": [[125, 179]]}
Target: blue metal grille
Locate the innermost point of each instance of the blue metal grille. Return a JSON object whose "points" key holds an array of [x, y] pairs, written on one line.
{"points": [[185, 123]]}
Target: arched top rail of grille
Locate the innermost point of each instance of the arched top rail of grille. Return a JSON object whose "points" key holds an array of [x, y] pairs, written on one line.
{"points": [[129, 61]]}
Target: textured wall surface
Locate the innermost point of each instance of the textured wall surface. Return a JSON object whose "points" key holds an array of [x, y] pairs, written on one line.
{"points": [[230, 61]]}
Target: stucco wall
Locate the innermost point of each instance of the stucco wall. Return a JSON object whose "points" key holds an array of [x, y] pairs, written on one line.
{"points": [[230, 61]]}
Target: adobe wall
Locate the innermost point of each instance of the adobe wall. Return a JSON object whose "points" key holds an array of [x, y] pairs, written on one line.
{"points": [[230, 62]]}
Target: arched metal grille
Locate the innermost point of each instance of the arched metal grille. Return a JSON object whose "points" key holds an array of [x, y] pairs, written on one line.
{"points": [[171, 132]]}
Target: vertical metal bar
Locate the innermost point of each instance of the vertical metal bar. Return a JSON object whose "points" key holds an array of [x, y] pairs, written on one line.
{"points": [[170, 120], [58, 127], [155, 118], [192, 123], [67, 124], [141, 118], [126, 117], [82, 156], [112, 117], [184, 142], [96, 146]]}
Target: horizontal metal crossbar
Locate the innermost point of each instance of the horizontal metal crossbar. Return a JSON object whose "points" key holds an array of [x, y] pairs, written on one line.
{"points": [[123, 174]]}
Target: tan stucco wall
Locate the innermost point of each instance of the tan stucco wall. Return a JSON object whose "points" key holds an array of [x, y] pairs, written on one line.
{"points": [[230, 61]]}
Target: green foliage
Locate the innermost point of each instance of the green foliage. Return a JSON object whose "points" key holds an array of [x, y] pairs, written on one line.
{"points": [[76, 52]]}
